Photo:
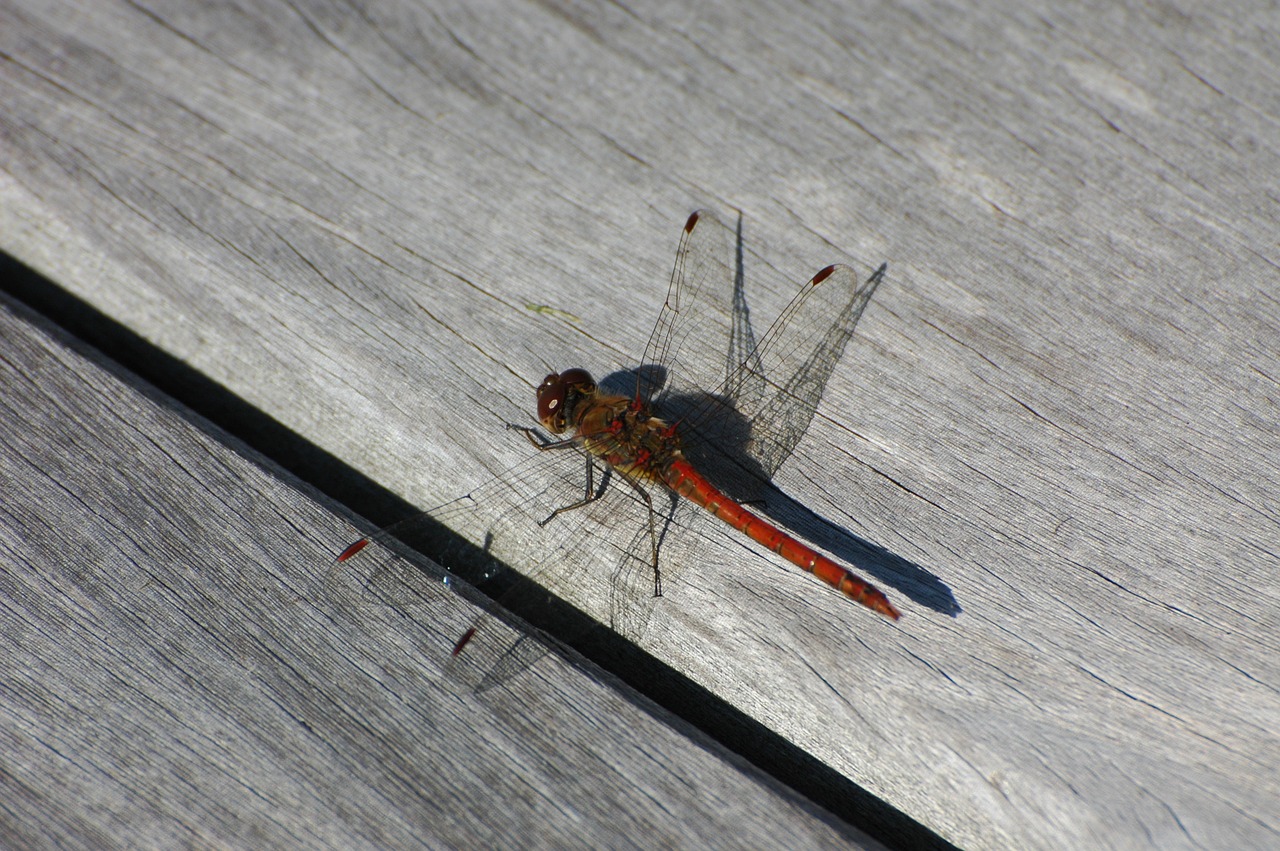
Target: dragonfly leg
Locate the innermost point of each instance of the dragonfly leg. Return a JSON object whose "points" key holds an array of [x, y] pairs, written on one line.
{"points": [[589, 497], [653, 534], [535, 437]]}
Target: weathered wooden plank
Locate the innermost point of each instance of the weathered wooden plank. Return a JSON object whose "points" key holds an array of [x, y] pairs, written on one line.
{"points": [[172, 678], [1057, 420]]}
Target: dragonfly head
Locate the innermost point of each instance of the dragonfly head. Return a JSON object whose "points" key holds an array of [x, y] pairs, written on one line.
{"points": [[558, 396]]}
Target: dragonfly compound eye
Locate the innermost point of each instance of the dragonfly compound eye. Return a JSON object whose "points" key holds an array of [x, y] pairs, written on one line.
{"points": [[559, 394], [551, 398], [579, 381]]}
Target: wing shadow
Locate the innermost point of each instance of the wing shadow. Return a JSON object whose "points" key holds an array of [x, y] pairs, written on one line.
{"points": [[718, 439]]}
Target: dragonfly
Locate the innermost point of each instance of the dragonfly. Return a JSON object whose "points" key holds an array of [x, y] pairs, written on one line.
{"points": [[695, 430]]}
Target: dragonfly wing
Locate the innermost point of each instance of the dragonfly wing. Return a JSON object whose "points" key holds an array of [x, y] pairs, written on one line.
{"points": [[508, 524], [690, 347], [743, 406], [634, 589], [740, 436], [795, 359], [492, 655]]}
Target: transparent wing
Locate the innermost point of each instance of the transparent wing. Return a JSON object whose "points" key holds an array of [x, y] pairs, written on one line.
{"points": [[689, 348], [778, 386], [508, 524], [743, 406]]}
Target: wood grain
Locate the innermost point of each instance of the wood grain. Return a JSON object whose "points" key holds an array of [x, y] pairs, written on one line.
{"points": [[173, 678], [1053, 439]]}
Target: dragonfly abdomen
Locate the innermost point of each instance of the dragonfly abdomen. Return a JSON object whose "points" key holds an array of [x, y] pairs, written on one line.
{"points": [[689, 483]]}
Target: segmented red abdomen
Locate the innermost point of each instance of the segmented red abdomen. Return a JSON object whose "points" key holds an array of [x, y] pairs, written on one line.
{"points": [[687, 482]]}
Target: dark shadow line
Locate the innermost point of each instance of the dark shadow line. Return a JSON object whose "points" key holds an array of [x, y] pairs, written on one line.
{"points": [[122, 351]]}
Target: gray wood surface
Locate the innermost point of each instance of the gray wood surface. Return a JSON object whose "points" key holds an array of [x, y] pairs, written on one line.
{"points": [[1058, 417], [172, 679]]}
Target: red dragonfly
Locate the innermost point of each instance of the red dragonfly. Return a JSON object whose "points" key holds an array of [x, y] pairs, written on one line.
{"points": [[708, 416]]}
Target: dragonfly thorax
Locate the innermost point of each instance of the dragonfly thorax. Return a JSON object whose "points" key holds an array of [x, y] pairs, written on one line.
{"points": [[560, 394]]}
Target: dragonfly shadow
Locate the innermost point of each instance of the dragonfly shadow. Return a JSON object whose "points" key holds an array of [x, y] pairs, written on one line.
{"points": [[486, 656], [222, 411], [718, 442], [560, 629], [905, 576], [624, 382]]}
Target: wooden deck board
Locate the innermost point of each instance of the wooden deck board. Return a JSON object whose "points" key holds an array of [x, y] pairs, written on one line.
{"points": [[1057, 420], [174, 679]]}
